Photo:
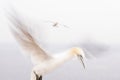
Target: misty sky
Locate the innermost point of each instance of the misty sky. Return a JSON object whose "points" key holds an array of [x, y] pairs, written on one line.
{"points": [[97, 21]]}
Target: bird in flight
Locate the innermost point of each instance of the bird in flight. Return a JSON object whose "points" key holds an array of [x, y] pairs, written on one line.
{"points": [[43, 62], [56, 24]]}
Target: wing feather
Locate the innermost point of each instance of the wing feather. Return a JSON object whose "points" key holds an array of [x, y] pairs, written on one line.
{"points": [[25, 38]]}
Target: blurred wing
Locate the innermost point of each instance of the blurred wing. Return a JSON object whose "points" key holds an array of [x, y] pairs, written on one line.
{"points": [[25, 38], [94, 49]]}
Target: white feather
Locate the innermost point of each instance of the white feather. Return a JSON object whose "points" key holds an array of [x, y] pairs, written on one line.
{"points": [[44, 62]]}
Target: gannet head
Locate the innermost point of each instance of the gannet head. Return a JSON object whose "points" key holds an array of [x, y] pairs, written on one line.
{"points": [[79, 53]]}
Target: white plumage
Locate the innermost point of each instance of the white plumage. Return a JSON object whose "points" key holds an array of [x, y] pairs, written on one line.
{"points": [[43, 62]]}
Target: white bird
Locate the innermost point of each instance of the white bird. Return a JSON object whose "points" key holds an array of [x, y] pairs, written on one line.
{"points": [[43, 62]]}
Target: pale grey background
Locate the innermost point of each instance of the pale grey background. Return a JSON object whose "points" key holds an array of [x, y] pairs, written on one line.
{"points": [[98, 20], [15, 66]]}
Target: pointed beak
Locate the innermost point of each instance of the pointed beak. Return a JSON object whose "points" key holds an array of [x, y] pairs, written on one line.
{"points": [[81, 59]]}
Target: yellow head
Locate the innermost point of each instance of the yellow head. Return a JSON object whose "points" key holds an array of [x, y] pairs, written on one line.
{"points": [[79, 53]]}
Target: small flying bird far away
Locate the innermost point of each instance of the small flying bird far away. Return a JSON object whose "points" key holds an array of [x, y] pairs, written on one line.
{"points": [[56, 24], [43, 62]]}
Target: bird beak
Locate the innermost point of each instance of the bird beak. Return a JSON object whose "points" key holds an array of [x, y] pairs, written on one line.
{"points": [[81, 59]]}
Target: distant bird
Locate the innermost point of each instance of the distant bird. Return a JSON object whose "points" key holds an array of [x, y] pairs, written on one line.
{"points": [[43, 62], [56, 24]]}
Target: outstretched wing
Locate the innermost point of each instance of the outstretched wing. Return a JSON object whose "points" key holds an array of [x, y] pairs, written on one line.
{"points": [[94, 49], [25, 38]]}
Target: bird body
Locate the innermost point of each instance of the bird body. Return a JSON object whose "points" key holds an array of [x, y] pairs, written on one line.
{"points": [[43, 62], [55, 60]]}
